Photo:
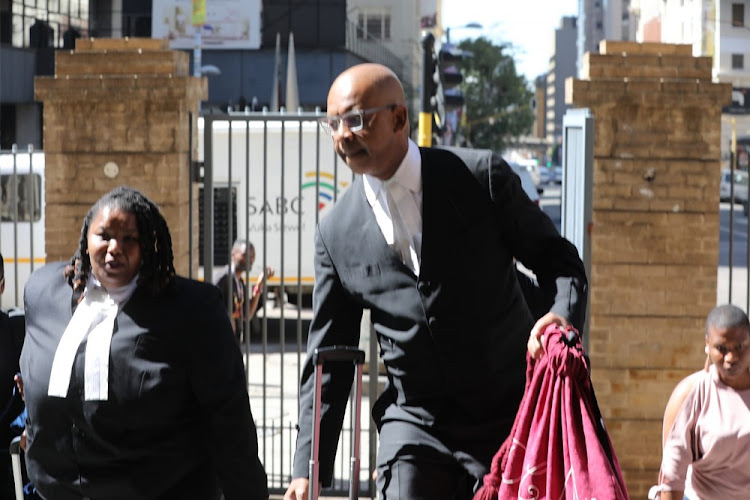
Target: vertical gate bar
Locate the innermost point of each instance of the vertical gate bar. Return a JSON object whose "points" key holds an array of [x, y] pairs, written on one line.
{"points": [[264, 328], [208, 199], [280, 295], [14, 198], [248, 285], [191, 166], [228, 237], [731, 229], [30, 205], [299, 235]]}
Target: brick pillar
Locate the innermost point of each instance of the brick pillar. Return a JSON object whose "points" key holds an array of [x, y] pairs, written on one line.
{"points": [[117, 112], [655, 245]]}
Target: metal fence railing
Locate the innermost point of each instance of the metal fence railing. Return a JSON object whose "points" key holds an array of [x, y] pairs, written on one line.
{"points": [[272, 177]]}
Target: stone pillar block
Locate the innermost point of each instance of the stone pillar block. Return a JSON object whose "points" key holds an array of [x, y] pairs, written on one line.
{"points": [[655, 233], [125, 102]]}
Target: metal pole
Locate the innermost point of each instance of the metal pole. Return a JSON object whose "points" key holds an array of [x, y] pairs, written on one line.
{"points": [[425, 114], [208, 200], [731, 206], [197, 51]]}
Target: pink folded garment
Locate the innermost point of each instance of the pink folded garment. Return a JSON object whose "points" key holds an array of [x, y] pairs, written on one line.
{"points": [[558, 447]]}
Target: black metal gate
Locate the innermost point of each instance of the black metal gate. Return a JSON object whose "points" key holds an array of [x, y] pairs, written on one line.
{"points": [[268, 178]]}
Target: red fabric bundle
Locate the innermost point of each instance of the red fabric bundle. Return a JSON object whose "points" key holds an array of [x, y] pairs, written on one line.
{"points": [[558, 447]]}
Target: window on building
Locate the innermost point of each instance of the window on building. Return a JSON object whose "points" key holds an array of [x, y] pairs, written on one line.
{"points": [[374, 24], [738, 14], [738, 61], [21, 198], [45, 24]]}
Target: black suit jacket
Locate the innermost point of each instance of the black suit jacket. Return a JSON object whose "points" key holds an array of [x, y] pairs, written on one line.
{"points": [[177, 421], [453, 339]]}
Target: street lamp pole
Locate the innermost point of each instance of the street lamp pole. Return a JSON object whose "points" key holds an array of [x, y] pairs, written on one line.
{"points": [[473, 25]]}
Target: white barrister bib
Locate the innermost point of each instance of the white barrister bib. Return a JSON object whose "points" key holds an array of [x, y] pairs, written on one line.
{"points": [[407, 223], [94, 321]]}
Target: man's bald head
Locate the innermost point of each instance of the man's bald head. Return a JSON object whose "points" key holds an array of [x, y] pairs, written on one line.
{"points": [[369, 80], [380, 144]]}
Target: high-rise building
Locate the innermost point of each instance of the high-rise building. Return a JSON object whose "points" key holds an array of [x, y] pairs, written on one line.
{"points": [[618, 20], [720, 29], [562, 64], [605, 20], [590, 28]]}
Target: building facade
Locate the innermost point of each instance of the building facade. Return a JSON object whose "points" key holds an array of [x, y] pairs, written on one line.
{"points": [[241, 47], [720, 29], [562, 65], [618, 15], [590, 28]]}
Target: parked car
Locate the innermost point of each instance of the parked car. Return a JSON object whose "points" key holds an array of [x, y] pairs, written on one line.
{"points": [[557, 176], [527, 183], [533, 169], [545, 175], [740, 187]]}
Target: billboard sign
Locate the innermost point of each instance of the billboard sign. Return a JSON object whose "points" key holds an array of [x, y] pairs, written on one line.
{"points": [[226, 24]]}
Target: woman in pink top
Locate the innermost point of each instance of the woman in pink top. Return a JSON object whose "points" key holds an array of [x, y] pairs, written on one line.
{"points": [[711, 433]]}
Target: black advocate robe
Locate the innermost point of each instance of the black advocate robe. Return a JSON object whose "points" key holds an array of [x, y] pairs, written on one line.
{"points": [[453, 339]]}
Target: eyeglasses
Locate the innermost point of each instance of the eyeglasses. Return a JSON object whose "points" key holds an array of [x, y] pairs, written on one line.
{"points": [[354, 120]]}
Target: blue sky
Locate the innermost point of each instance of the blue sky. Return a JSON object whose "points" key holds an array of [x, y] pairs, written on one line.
{"points": [[527, 24]]}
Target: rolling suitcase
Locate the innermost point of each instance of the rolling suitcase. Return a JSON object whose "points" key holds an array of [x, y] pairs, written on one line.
{"points": [[321, 356], [15, 458]]}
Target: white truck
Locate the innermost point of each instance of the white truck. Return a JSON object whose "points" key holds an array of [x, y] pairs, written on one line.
{"points": [[21, 221], [285, 176]]}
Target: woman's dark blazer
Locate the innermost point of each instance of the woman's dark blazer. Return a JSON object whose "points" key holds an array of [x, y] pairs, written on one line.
{"points": [[177, 422]]}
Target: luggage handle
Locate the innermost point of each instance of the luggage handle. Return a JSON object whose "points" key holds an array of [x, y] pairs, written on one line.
{"points": [[338, 353], [320, 356]]}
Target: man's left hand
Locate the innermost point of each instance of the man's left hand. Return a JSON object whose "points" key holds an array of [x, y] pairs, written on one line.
{"points": [[536, 338]]}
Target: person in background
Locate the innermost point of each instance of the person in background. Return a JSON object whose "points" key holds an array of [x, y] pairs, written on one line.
{"points": [[710, 433], [11, 340], [134, 385], [426, 240], [243, 258]]}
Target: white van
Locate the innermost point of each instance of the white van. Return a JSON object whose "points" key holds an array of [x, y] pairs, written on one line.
{"points": [[740, 186], [21, 221], [527, 182]]}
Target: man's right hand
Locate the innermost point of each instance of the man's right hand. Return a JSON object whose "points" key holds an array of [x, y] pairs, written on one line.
{"points": [[297, 489], [19, 384]]}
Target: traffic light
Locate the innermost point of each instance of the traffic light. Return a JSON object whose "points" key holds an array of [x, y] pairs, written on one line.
{"points": [[449, 99], [451, 77], [440, 93], [429, 90]]}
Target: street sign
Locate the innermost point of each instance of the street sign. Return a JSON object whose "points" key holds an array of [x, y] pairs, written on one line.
{"points": [[740, 101]]}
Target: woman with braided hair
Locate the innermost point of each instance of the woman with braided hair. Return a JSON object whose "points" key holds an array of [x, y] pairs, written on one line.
{"points": [[133, 381]]}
